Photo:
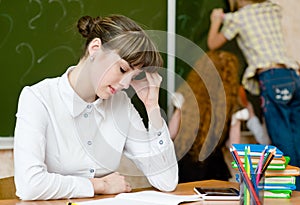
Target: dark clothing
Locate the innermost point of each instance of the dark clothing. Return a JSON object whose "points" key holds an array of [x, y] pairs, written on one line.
{"points": [[280, 94], [214, 167]]}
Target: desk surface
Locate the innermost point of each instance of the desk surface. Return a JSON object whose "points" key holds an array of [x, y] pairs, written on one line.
{"points": [[182, 189]]}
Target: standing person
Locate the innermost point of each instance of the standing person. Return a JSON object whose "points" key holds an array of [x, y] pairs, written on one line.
{"points": [[71, 131], [270, 72]]}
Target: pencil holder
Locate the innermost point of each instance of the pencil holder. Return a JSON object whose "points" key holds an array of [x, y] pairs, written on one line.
{"points": [[251, 189]]}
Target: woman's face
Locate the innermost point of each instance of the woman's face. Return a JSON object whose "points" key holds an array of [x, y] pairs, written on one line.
{"points": [[116, 75]]}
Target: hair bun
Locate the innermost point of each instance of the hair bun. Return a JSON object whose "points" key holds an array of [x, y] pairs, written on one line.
{"points": [[86, 25]]}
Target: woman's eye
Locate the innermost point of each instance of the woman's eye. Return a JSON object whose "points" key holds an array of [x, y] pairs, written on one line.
{"points": [[122, 70]]}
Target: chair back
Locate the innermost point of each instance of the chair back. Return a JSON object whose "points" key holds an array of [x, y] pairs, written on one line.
{"points": [[7, 188]]}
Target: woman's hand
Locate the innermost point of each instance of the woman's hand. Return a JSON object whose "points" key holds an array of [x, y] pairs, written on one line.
{"points": [[111, 184], [147, 89]]}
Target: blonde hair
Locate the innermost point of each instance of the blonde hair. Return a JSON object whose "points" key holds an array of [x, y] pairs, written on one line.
{"points": [[123, 35]]}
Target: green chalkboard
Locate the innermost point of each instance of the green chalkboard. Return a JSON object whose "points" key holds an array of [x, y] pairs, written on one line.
{"points": [[192, 22], [38, 39]]}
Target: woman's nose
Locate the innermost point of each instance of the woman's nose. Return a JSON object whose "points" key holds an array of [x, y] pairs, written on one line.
{"points": [[125, 82]]}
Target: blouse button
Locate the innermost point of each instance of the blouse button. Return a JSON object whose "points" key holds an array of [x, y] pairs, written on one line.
{"points": [[161, 142], [86, 115], [89, 142], [89, 106], [159, 133], [92, 170]]}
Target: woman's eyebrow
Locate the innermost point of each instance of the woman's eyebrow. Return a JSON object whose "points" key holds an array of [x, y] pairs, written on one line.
{"points": [[128, 64], [131, 66]]}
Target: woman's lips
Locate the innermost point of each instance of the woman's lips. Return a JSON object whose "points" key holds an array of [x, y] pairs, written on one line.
{"points": [[112, 90]]}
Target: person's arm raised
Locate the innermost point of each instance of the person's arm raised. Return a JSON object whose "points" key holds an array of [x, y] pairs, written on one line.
{"points": [[215, 38]]}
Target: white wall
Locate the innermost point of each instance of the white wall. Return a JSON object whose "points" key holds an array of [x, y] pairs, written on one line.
{"points": [[291, 26]]}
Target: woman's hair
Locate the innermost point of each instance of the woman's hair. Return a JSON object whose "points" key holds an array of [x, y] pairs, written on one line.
{"points": [[123, 35]]}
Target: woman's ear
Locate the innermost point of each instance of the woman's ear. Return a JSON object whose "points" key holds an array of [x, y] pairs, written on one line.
{"points": [[94, 46]]}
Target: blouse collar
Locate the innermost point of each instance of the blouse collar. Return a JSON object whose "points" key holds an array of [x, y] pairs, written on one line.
{"points": [[74, 103]]}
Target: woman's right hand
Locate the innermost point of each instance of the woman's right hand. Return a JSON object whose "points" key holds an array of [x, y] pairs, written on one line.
{"points": [[111, 184]]}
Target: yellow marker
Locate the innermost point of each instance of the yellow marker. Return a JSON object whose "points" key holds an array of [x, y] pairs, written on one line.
{"points": [[71, 203], [247, 169]]}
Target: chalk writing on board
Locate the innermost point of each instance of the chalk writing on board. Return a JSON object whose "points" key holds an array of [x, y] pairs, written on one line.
{"points": [[64, 12], [36, 16], [61, 4], [25, 45], [155, 18], [56, 49], [9, 29], [29, 47]]}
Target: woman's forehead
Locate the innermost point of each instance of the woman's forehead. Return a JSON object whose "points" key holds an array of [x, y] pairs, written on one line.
{"points": [[131, 65]]}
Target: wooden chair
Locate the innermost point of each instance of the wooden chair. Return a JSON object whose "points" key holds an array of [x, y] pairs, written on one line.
{"points": [[7, 188]]}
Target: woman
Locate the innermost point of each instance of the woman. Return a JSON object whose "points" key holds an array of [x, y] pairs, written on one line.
{"points": [[71, 131]]}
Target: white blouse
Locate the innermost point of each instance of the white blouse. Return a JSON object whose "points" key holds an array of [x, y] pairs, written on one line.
{"points": [[61, 141]]}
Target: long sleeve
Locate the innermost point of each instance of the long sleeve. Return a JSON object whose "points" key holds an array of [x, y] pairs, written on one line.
{"points": [[32, 179], [153, 152]]}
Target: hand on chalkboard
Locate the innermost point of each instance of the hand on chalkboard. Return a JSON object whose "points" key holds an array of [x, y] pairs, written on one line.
{"points": [[217, 15]]}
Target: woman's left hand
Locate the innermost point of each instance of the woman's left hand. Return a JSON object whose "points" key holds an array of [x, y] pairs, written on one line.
{"points": [[147, 89]]}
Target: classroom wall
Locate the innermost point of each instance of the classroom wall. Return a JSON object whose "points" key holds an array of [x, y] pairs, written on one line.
{"points": [[291, 26]]}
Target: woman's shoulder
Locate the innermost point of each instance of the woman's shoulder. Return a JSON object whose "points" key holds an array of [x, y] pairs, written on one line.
{"points": [[45, 83], [42, 87]]}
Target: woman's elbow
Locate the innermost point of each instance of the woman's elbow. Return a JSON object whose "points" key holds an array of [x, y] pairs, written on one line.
{"points": [[168, 185], [216, 42], [29, 191], [28, 194]]}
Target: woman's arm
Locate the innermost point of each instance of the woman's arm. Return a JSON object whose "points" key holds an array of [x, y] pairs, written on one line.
{"points": [[153, 151], [32, 179]]}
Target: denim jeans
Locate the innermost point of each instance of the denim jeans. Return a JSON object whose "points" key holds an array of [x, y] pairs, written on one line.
{"points": [[280, 103]]}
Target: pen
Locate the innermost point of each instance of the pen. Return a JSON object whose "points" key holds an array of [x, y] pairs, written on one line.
{"points": [[268, 161], [260, 164], [247, 169], [252, 172], [244, 175], [250, 161]]}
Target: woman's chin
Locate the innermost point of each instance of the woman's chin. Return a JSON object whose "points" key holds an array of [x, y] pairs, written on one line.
{"points": [[104, 96]]}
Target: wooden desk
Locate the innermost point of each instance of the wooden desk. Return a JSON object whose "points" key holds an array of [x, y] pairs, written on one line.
{"points": [[184, 189]]}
